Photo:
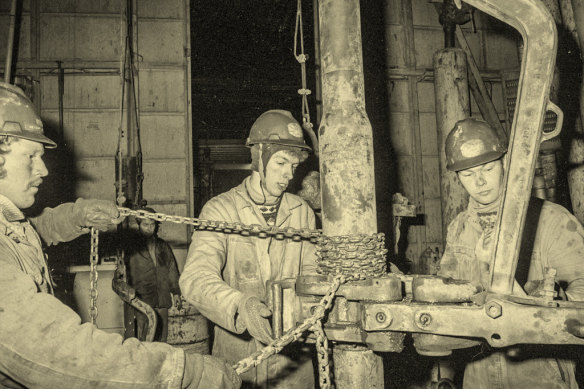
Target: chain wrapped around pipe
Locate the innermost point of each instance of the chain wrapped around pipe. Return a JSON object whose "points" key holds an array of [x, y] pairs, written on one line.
{"points": [[343, 258]]}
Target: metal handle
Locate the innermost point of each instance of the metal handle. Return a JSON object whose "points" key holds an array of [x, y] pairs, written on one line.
{"points": [[559, 122]]}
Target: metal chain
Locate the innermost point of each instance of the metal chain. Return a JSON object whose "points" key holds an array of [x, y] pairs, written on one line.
{"points": [[93, 261], [322, 351], [293, 334], [345, 258], [295, 234]]}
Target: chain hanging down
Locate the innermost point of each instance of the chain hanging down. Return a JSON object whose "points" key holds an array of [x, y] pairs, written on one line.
{"points": [[93, 261]]}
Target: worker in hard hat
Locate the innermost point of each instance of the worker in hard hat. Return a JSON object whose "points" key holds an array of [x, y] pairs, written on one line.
{"points": [[225, 274], [42, 341], [553, 238]]}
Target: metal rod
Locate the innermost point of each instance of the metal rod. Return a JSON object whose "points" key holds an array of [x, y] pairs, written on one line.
{"points": [[538, 29], [277, 307], [10, 45], [61, 94]]}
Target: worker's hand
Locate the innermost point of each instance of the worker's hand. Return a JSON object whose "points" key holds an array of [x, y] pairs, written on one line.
{"points": [[252, 315], [205, 371], [99, 214], [176, 301]]}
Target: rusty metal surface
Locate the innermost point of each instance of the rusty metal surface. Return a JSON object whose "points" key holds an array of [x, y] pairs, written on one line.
{"points": [[346, 140], [537, 27], [452, 105], [499, 321], [437, 289], [385, 288]]}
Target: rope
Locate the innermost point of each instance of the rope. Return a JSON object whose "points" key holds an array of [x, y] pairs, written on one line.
{"points": [[304, 91]]}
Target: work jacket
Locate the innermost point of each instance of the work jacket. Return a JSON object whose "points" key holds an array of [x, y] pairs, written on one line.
{"points": [[42, 341], [222, 268], [557, 242], [153, 279]]}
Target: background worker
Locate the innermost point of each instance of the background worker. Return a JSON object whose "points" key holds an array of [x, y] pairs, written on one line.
{"points": [[553, 238], [154, 275], [225, 275], [42, 341]]}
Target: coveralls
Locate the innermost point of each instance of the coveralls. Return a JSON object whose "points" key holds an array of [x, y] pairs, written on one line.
{"points": [[221, 268], [42, 341], [154, 279], [557, 242]]}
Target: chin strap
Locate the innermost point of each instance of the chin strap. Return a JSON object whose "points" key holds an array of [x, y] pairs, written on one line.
{"points": [[262, 173]]}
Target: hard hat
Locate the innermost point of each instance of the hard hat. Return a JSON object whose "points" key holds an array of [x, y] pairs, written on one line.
{"points": [[473, 142], [277, 127], [18, 117]]}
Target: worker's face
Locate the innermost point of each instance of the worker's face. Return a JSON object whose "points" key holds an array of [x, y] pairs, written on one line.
{"points": [[147, 227], [25, 170], [483, 182], [279, 171]]}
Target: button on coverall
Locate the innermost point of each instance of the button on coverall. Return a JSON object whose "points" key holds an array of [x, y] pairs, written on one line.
{"points": [[42, 341], [222, 268], [558, 243]]}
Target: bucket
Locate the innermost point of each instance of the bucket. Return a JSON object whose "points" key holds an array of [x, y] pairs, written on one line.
{"points": [[188, 329]]}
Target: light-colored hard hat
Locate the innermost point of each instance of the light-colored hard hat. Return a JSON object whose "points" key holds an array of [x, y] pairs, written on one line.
{"points": [[471, 143], [18, 117], [279, 127]]}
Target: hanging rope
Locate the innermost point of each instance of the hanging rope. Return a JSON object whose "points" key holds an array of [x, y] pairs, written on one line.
{"points": [[304, 91]]}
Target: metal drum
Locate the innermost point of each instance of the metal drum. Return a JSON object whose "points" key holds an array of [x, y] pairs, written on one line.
{"points": [[188, 329]]}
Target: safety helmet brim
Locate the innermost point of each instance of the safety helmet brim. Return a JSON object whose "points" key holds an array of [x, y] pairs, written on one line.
{"points": [[33, 136], [282, 142]]}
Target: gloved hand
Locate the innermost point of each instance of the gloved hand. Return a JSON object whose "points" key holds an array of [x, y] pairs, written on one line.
{"points": [[253, 314], [99, 214], [205, 371]]}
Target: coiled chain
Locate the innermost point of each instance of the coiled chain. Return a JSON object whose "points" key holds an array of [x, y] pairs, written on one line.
{"points": [[344, 258]]}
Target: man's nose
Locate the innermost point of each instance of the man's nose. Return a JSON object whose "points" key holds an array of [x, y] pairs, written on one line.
{"points": [[480, 180], [41, 169], [288, 172]]}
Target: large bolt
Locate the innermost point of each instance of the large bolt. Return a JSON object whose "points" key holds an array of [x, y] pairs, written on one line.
{"points": [[380, 317], [494, 310], [425, 319]]}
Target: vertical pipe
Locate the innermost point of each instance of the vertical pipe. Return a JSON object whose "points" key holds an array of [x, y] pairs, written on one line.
{"points": [[277, 310], [346, 160], [452, 104], [61, 94], [10, 46], [346, 140]]}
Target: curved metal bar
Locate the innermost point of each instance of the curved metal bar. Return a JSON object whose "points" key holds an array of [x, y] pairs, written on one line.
{"points": [[538, 29], [128, 295]]}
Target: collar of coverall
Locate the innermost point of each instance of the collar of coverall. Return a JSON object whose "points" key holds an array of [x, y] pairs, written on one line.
{"points": [[243, 200], [9, 210]]}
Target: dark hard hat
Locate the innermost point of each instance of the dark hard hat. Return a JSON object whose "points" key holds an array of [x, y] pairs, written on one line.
{"points": [[471, 143], [18, 117], [277, 127]]}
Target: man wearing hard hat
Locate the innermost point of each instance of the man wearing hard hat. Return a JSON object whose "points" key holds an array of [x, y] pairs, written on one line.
{"points": [[225, 275], [476, 153], [42, 341]]}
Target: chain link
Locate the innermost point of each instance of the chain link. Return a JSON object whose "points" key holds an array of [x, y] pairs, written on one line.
{"points": [[344, 258], [93, 261], [293, 334]]}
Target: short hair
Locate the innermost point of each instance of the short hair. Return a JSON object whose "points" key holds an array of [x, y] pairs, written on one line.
{"points": [[5, 142]]}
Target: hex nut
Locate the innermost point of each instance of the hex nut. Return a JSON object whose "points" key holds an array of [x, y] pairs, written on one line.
{"points": [[494, 310]]}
